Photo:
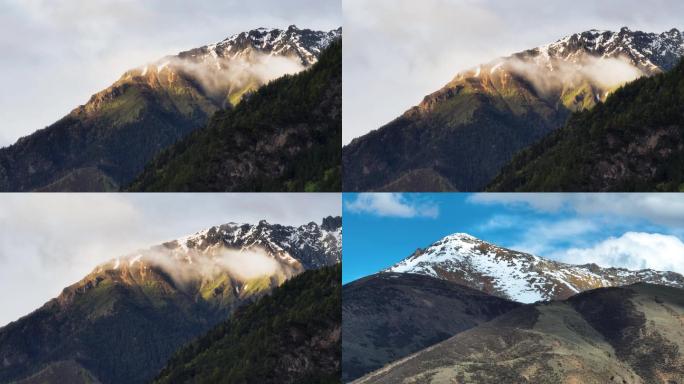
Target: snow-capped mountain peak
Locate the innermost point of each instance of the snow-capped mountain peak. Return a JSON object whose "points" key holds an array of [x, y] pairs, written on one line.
{"points": [[223, 249], [576, 71], [304, 44], [650, 52], [519, 276]]}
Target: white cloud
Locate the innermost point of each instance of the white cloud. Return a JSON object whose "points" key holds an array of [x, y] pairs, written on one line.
{"points": [[632, 250], [49, 241], [539, 201], [499, 222], [391, 205], [543, 237], [659, 208]]}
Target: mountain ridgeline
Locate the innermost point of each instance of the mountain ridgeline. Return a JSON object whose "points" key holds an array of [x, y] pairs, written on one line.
{"points": [[291, 336], [123, 321], [460, 137], [286, 136], [525, 278], [632, 142], [104, 144]]}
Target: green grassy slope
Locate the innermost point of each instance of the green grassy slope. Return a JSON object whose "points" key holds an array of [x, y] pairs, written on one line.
{"points": [[632, 142], [458, 138], [119, 326], [106, 142], [284, 137]]}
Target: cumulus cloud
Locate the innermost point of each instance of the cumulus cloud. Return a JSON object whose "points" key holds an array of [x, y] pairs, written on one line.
{"points": [[632, 250], [391, 205]]}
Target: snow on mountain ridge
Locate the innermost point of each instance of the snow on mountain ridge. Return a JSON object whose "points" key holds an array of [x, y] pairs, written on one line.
{"points": [[519, 276], [303, 44], [645, 50], [309, 244], [226, 71]]}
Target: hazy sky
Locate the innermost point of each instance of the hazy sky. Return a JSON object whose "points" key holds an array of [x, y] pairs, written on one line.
{"points": [[398, 51], [633, 231], [56, 53], [50, 241]]}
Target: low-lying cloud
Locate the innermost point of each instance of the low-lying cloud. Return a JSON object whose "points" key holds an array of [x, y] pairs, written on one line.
{"points": [[223, 76], [192, 267], [603, 73]]}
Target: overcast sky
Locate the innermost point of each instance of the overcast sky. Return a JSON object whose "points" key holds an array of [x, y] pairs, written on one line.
{"points": [[50, 241], [56, 53], [398, 51], [633, 231]]}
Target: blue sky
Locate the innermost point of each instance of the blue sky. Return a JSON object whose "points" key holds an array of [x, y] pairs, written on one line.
{"points": [[624, 230]]}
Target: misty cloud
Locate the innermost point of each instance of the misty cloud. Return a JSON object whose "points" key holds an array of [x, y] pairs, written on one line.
{"points": [[188, 268], [223, 76], [603, 73]]}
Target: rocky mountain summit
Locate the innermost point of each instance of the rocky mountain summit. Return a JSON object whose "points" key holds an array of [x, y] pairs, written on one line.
{"points": [[519, 276]]}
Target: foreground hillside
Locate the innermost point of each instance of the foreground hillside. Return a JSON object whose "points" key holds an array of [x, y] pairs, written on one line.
{"points": [[284, 137], [632, 142], [627, 335], [290, 336], [122, 322], [388, 316], [460, 137], [105, 143]]}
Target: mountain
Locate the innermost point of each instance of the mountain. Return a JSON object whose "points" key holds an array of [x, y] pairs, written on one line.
{"points": [[460, 137], [284, 137], [290, 336], [388, 316], [522, 277], [105, 143], [122, 322], [627, 335], [632, 142]]}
